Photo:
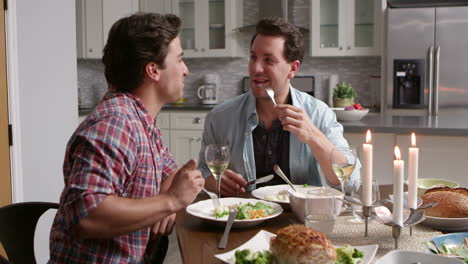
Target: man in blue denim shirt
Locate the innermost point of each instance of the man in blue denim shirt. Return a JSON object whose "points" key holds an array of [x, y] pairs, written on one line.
{"points": [[257, 131]]}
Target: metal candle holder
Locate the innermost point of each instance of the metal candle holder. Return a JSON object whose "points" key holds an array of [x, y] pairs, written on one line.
{"points": [[366, 209], [415, 217]]}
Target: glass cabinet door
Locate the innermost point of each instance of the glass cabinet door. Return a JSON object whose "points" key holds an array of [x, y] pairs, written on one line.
{"points": [[364, 23], [216, 24], [329, 24], [187, 14]]}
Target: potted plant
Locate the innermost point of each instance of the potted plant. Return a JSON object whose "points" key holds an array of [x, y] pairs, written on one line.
{"points": [[343, 95]]}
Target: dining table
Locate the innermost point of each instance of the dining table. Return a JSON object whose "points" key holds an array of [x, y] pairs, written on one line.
{"points": [[198, 238]]}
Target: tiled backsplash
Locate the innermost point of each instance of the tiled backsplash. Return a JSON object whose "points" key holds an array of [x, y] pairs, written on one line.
{"points": [[355, 70]]}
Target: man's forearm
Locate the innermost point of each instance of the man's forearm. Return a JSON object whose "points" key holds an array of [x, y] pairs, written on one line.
{"points": [[116, 216], [322, 148]]}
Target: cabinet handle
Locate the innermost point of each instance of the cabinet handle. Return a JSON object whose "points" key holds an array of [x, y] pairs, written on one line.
{"points": [[195, 49], [198, 139], [340, 48], [349, 47], [196, 120], [90, 50], [203, 49]]}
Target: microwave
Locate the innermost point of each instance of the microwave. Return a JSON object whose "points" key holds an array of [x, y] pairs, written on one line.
{"points": [[302, 83]]}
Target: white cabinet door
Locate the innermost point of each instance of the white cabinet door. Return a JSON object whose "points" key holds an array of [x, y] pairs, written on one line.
{"points": [[383, 145], [89, 28], [159, 6], [207, 27], [113, 10], [346, 27], [185, 145], [441, 157], [94, 19]]}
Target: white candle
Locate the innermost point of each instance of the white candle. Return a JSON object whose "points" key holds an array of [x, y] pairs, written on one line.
{"points": [[367, 177], [413, 174], [398, 172]]}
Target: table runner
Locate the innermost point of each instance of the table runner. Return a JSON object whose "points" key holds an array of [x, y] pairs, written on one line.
{"points": [[346, 231]]}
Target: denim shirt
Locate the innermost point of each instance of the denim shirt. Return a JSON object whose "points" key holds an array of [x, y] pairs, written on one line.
{"points": [[233, 121]]}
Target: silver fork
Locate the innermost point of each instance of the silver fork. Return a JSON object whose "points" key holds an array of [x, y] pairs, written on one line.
{"points": [[213, 197], [271, 93]]}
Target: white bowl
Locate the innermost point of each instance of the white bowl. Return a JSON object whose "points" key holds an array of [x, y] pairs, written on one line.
{"points": [[403, 257], [349, 115], [297, 200]]}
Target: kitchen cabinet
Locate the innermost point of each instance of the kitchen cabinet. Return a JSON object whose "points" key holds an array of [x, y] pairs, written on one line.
{"points": [[346, 27], [207, 25], [182, 133], [94, 18]]}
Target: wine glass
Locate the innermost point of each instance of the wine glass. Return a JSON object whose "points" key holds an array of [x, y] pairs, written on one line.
{"points": [[357, 189], [217, 159], [343, 160]]}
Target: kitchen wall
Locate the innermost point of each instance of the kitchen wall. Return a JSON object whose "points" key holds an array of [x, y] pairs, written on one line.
{"points": [[355, 70]]}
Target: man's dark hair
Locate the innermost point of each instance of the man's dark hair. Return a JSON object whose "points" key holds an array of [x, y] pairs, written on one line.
{"points": [[134, 42], [294, 40]]}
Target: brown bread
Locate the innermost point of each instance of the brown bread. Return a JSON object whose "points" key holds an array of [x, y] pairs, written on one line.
{"points": [[451, 202]]}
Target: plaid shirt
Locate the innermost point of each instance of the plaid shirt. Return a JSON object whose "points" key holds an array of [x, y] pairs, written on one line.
{"points": [[110, 153]]}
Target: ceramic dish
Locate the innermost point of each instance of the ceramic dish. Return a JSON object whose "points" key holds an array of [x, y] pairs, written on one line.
{"points": [[349, 115], [264, 192], [425, 184], [261, 241], [402, 256], [204, 210], [447, 224], [450, 240]]}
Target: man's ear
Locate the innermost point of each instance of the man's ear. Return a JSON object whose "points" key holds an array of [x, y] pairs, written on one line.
{"points": [[152, 71], [294, 69]]}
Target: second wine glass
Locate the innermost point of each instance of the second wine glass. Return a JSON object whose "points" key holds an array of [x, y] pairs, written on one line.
{"points": [[343, 160], [217, 159]]}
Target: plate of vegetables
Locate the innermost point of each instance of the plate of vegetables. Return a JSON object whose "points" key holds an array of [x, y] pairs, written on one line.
{"points": [[249, 211], [450, 245], [257, 250]]}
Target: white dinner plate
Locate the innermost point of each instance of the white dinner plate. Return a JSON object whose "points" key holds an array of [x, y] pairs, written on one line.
{"points": [[262, 239], [272, 190], [446, 224], [204, 209]]}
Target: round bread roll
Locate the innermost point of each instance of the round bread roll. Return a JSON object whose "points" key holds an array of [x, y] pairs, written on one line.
{"points": [[298, 244], [451, 202]]}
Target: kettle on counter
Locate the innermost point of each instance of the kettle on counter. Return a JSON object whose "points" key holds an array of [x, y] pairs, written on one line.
{"points": [[208, 92]]}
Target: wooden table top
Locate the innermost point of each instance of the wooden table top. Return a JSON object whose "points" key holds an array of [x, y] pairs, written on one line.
{"points": [[198, 239]]}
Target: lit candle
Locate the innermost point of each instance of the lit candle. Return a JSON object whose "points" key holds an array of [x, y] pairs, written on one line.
{"points": [[367, 177], [398, 172], [413, 174]]}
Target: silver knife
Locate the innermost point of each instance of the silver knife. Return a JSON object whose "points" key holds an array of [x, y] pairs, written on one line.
{"points": [[223, 242], [261, 180]]}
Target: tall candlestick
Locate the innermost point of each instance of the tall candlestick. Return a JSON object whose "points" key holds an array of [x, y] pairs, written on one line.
{"points": [[367, 177], [413, 174], [398, 172]]}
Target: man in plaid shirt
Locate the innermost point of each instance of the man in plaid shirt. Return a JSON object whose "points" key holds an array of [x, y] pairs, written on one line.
{"points": [[122, 186]]}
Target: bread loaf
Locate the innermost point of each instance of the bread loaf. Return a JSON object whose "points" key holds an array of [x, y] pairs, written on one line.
{"points": [[451, 202], [298, 244]]}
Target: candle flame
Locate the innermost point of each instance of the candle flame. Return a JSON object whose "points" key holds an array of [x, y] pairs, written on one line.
{"points": [[413, 140], [397, 153], [368, 137]]}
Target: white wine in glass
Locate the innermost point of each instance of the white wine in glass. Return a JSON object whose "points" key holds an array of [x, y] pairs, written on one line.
{"points": [[217, 159], [343, 160]]}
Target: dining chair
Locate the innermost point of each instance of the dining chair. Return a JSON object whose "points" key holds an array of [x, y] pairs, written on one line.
{"points": [[17, 227]]}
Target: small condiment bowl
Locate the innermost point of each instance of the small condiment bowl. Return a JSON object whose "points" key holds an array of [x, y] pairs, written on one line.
{"points": [[297, 200]]}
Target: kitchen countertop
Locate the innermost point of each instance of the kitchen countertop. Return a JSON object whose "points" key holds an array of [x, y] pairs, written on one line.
{"points": [[377, 122]]}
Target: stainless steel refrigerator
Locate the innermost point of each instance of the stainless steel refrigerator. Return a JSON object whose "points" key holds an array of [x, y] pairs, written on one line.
{"points": [[426, 60]]}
